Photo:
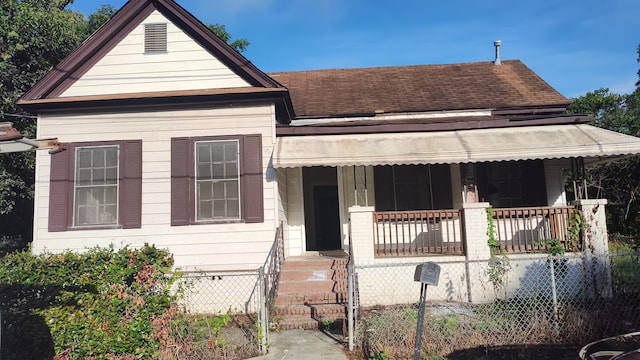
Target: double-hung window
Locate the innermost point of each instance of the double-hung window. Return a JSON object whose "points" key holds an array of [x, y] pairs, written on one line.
{"points": [[96, 186], [217, 179]]}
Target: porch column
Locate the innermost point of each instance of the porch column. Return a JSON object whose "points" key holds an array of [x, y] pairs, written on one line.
{"points": [[362, 234], [596, 242], [477, 252]]}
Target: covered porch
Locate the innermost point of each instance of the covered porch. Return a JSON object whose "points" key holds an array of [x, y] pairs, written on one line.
{"points": [[418, 188]]}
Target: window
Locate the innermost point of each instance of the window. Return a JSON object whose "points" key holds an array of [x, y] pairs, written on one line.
{"points": [[512, 183], [216, 179], [96, 186], [155, 38], [412, 187]]}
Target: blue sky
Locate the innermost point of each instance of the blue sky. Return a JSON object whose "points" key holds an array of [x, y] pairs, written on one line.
{"points": [[575, 45]]}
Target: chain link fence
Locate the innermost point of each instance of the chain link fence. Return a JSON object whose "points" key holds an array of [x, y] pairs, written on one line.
{"points": [[245, 295], [236, 293], [531, 300]]}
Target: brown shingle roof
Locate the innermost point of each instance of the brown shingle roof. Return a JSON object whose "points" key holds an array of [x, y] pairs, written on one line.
{"points": [[482, 85]]}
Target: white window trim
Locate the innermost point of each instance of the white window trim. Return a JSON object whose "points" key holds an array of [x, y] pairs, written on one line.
{"points": [[238, 180], [75, 178]]}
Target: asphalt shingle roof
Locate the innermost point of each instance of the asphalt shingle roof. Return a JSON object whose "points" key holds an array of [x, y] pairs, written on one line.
{"points": [[398, 89]]}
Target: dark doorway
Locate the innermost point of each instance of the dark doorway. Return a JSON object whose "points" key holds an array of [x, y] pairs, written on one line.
{"points": [[327, 219], [321, 208]]}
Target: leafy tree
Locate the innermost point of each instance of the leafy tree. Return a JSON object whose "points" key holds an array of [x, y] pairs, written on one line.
{"points": [[638, 82], [98, 18], [240, 45], [35, 35], [619, 181]]}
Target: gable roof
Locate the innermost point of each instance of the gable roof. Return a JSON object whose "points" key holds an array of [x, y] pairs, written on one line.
{"points": [[400, 89], [123, 22]]}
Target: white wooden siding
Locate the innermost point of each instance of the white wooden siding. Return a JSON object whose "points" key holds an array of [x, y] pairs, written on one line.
{"points": [[126, 69], [202, 247]]}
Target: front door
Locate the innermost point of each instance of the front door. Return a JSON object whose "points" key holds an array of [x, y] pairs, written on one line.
{"points": [[321, 209], [327, 219]]}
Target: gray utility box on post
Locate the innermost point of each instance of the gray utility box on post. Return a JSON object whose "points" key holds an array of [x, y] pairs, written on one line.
{"points": [[427, 273]]}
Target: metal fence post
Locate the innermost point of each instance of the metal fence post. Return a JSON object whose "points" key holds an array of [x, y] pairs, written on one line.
{"points": [[554, 295], [264, 320]]}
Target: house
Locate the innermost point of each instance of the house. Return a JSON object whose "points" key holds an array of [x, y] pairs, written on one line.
{"points": [[173, 138]]}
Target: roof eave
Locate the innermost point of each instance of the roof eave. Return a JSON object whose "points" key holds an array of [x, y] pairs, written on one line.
{"points": [[119, 102], [434, 125]]}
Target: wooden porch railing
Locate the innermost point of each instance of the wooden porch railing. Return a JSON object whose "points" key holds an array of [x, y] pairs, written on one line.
{"points": [[419, 232], [529, 229]]}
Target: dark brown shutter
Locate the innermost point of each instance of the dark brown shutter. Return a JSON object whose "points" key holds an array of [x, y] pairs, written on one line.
{"points": [[60, 208], [253, 203], [131, 186], [180, 181]]}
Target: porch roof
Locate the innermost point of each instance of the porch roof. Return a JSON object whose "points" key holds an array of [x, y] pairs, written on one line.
{"points": [[458, 146]]}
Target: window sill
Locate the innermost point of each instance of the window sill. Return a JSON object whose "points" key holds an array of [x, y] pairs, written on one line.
{"points": [[95, 227], [214, 222]]}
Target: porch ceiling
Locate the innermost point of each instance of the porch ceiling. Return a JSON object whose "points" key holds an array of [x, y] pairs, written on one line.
{"points": [[459, 146]]}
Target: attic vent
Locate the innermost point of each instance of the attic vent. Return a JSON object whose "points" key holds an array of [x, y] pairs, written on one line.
{"points": [[155, 38]]}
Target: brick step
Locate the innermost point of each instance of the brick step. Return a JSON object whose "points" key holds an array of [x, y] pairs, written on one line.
{"points": [[301, 298], [306, 286], [312, 293], [315, 263], [309, 274], [317, 312]]}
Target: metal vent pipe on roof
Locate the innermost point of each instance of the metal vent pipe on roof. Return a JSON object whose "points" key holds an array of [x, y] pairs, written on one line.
{"points": [[497, 44]]}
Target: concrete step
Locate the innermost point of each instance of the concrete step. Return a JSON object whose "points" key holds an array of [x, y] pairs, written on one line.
{"points": [[317, 312], [310, 324], [288, 324], [302, 298]]}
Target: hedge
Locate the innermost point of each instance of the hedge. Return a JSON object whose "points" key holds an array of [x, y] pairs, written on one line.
{"points": [[99, 304]]}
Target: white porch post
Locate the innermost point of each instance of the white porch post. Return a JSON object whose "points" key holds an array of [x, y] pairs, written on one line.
{"points": [[362, 234], [477, 252], [596, 239]]}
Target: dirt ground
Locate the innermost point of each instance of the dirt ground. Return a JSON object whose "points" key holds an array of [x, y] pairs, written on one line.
{"points": [[522, 352], [537, 352]]}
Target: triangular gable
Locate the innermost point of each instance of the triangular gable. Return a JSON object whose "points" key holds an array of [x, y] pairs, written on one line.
{"points": [[79, 68]]}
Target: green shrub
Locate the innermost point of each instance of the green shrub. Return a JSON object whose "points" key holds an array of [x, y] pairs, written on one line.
{"points": [[98, 304]]}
